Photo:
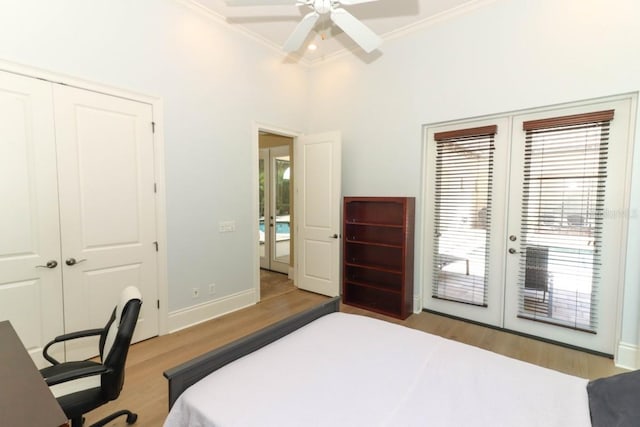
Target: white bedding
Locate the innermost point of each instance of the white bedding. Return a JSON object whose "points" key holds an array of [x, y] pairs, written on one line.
{"points": [[349, 370]]}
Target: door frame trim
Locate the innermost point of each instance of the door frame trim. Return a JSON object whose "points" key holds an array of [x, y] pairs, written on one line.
{"points": [[157, 106]]}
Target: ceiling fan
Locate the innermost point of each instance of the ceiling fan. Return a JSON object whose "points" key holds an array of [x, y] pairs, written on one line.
{"points": [[360, 33]]}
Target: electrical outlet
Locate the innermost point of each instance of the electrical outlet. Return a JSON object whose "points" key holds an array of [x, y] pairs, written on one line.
{"points": [[212, 288], [195, 292]]}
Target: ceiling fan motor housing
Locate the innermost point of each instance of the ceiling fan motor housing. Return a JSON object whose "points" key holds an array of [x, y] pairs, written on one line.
{"points": [[322, 6]]}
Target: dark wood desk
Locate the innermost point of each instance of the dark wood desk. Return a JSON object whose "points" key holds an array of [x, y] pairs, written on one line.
{"points": [[25, 399]]}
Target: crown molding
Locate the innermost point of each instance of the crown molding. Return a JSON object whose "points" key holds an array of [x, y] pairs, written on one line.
{"points": [[310, 63], [220, 19], [412, 28], [445, 15]]}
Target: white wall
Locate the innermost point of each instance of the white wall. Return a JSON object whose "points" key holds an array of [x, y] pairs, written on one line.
{"points": [[214, 82], [502, 56]]}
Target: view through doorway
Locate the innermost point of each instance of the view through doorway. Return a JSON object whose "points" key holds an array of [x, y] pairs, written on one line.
{"points": [[273, 284], [275, 203]]}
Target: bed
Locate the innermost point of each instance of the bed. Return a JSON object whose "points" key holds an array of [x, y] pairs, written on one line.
{"points": [[326, 368]]}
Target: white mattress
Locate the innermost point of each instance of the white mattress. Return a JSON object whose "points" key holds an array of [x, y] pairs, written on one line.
{"points": [[349, 370]]}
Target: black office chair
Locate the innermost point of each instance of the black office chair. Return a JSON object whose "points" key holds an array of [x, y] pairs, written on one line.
{"points": [[83, 386], [537, 276]]}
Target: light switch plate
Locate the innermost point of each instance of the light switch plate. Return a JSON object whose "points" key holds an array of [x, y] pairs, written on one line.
{"points": [[226, 226]]}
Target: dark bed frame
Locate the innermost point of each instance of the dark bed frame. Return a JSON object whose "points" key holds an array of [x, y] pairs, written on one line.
{"points": [[183, 376]]}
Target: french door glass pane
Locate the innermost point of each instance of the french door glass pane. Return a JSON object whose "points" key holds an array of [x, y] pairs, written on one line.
{"points": [[261, 218], [562, 212], [282, 209], [464, 169]]}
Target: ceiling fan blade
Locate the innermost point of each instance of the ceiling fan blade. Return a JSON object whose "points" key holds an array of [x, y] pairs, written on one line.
{"points": [[360, 33], [301, 32], [259, 2], [351, 2]]}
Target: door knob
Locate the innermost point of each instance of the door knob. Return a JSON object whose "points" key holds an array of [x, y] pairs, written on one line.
{"points": [[512, 251], [73, 261], [50, 264], [334, 236]]}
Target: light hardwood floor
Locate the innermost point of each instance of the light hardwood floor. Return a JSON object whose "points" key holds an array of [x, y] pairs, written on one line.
{"points": [[145, 389], [274, 284]]}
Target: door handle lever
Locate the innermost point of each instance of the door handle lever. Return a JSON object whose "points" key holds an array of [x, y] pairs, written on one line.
{"points": [[334, 236], [73, 261], [50, 264]]}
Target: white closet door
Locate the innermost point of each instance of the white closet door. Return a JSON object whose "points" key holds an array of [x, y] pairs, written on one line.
{"points": [[30, 296], [107, 205]]}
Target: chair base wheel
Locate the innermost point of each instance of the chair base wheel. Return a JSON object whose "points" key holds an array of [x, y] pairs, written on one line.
{"points": [[131, 418]]}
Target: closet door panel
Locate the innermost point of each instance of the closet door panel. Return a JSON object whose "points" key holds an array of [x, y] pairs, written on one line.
{"points": [[107, 204], [30, 292]]}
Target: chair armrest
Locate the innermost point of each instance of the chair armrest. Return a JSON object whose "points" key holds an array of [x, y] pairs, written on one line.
{"points": [[75, 374], [67, 337]]}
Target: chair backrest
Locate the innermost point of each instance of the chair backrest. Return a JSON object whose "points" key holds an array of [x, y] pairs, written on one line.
{"points": [[115, 341], [537, 268]]}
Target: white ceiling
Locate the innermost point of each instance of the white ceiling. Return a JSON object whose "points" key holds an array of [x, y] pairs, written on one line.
{"points": [[385, 17]]}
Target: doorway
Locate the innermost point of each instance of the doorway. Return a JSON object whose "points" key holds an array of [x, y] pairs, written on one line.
{"points": [[275, 203], [314, 204]]}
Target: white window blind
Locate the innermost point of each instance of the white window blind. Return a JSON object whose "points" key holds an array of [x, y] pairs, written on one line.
{"points": [[463, 183], [565, 170]]}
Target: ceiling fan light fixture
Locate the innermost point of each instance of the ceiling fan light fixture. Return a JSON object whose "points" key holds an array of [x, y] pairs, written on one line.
{"points": [[332, 9]]}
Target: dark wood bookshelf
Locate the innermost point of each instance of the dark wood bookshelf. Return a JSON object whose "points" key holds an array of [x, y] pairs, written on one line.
{"points": [[377, 272]]}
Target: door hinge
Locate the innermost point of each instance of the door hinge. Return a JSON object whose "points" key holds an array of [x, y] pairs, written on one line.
{"points": [[155, 187], [158, 304], [156, 243], [153, 127]]}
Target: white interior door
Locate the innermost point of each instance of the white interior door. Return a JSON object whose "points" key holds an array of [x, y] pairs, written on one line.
{"points": [[318, 165], [107, 205], [30, 293]]}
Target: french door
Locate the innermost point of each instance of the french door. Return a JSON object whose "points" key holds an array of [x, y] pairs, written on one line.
{"points": [[467, 171], [566, 224], [275, 209], [523, 231]]}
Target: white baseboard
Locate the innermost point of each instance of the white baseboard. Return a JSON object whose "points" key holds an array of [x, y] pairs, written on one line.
{"points": [[191, 316], [627, 356]]}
